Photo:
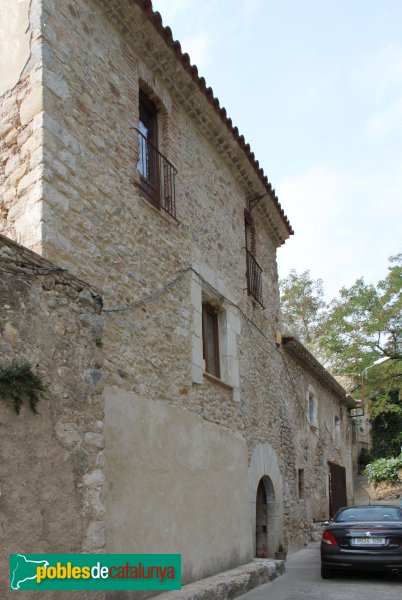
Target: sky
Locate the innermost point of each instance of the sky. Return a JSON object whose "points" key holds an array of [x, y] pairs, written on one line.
{"points": [[316, 89]]}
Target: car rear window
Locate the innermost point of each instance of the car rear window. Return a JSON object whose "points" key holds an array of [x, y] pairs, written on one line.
{"points": [[380, 513]]}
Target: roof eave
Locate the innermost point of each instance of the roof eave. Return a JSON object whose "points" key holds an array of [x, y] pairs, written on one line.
{"points": [[282, 228], [298, 351]]}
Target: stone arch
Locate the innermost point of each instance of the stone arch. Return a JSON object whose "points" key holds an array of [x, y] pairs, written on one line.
{"points": [[264, 471]]}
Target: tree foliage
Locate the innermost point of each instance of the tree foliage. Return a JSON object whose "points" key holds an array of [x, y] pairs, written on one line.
{"points": [[387, 434], [365, 322], [303, 308], [353, 331], [363, 326]]}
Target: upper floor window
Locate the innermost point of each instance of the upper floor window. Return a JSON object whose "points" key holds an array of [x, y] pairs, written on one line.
{"points": [[215, 333], [249, 227], [210, 340], [157, 174], [337, 431], [254, 271], [312, 407], [148, 131], [300, 482]]}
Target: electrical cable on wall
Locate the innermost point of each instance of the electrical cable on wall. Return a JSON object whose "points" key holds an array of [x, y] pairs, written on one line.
{"points": [[154, 296], [247, 319]]}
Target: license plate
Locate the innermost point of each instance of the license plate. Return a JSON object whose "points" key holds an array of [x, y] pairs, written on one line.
{"points": [[368, 541]]}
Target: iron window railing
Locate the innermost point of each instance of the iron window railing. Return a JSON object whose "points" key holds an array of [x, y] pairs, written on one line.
{"points": [[157, 176], [254, 278]]}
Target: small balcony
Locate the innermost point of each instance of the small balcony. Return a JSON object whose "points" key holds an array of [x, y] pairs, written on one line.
{"points": [[157, 177], [254, 278]]}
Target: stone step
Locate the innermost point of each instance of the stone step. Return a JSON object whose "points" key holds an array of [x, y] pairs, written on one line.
{"points": [[229, 584]]}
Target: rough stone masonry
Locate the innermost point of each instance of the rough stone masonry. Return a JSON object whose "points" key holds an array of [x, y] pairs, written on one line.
{"points": [[71, 191], [52, 463]]}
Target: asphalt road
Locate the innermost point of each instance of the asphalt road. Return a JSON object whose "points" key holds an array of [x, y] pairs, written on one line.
{"points": [[302, 581]]}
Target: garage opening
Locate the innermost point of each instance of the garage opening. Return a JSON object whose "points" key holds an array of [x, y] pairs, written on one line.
{"points": [[266, 519]]}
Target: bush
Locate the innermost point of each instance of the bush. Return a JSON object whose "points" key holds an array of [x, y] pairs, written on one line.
{"points": [[18, 383], [365, 457], [384, 470], [387, 434]]}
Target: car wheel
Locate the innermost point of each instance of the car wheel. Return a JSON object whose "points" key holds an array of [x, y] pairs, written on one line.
{"points": [[326, 573]]}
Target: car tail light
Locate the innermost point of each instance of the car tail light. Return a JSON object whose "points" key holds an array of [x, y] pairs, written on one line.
{"points": [[328, 538]]}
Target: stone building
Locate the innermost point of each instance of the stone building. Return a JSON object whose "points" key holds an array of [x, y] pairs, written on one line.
{"points": [[51, 468], [120, 165]]}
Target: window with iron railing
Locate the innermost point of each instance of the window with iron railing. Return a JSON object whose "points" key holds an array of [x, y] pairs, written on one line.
{"points": [[254, 271], [156, 174], [254, 278]]}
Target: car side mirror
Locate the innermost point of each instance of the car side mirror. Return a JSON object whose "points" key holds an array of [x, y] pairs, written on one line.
{"points": [[325, 523]]}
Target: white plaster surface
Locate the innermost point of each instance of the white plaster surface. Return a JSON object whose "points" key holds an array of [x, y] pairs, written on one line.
{"points": [[176, 484]]}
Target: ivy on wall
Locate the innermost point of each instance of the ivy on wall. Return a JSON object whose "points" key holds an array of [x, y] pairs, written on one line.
{"points": [[19, 384]]}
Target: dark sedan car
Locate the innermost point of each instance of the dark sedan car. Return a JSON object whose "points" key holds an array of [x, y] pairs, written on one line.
{"points": [[365, 538]]}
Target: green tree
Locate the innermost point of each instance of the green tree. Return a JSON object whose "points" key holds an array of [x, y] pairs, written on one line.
{"points": [[303, 308], [365, 323], [387, 434], [361, 326]]}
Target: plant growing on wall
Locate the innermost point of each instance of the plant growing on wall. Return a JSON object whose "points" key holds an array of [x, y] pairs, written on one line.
{"points": [[18, 383]]}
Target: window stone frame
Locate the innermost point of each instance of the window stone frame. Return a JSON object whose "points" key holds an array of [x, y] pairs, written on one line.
{"points": [[229, 331]]}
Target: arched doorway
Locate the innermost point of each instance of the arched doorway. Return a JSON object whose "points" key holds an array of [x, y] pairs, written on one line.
{"points": [[265, 519], [264, 469]]}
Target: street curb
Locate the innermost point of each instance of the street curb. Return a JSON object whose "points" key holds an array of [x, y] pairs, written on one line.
{"points": [[229, 584]]}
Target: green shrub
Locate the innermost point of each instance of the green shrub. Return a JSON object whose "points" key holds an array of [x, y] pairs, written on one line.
{"points": [[387, 434], [18, 383], [384, 470], [365, 457]]}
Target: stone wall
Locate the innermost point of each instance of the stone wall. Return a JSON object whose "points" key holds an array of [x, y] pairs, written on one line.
{"points": [[51, 471], [317, 444], [154, 272], [97, 225], [388, 492], [21, 100], [93, 221]]}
